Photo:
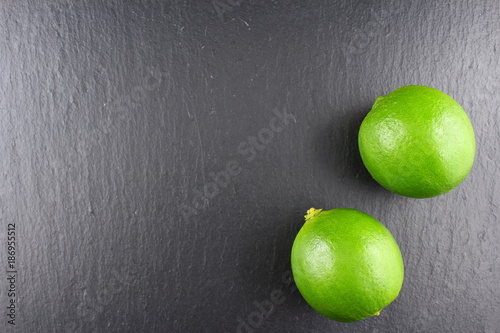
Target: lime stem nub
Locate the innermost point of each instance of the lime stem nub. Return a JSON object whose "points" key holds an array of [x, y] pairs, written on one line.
{"points": [[312, 213]]}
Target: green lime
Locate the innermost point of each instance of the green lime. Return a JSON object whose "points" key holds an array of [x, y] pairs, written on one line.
{"points": [[346, 264], [418, 142]]}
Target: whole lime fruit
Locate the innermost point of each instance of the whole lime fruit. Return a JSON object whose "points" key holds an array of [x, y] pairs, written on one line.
{"points": [[417, 142], [346, 264]]}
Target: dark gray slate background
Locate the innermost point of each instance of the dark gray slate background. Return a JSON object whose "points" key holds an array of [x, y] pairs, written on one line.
{"points": [[117, 115]]}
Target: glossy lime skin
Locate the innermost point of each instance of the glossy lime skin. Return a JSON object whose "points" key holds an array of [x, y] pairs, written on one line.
{"points": [[417, 142], [346, 264]]}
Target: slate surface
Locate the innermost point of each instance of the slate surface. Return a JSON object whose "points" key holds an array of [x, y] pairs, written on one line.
{"points": [[157, 159]]}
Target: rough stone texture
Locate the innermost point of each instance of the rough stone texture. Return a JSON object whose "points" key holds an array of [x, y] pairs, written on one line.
{"points": [[116, 117]]}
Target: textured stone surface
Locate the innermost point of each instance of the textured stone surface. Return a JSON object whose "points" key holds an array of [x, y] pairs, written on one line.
{"points": [[117, 117]]}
